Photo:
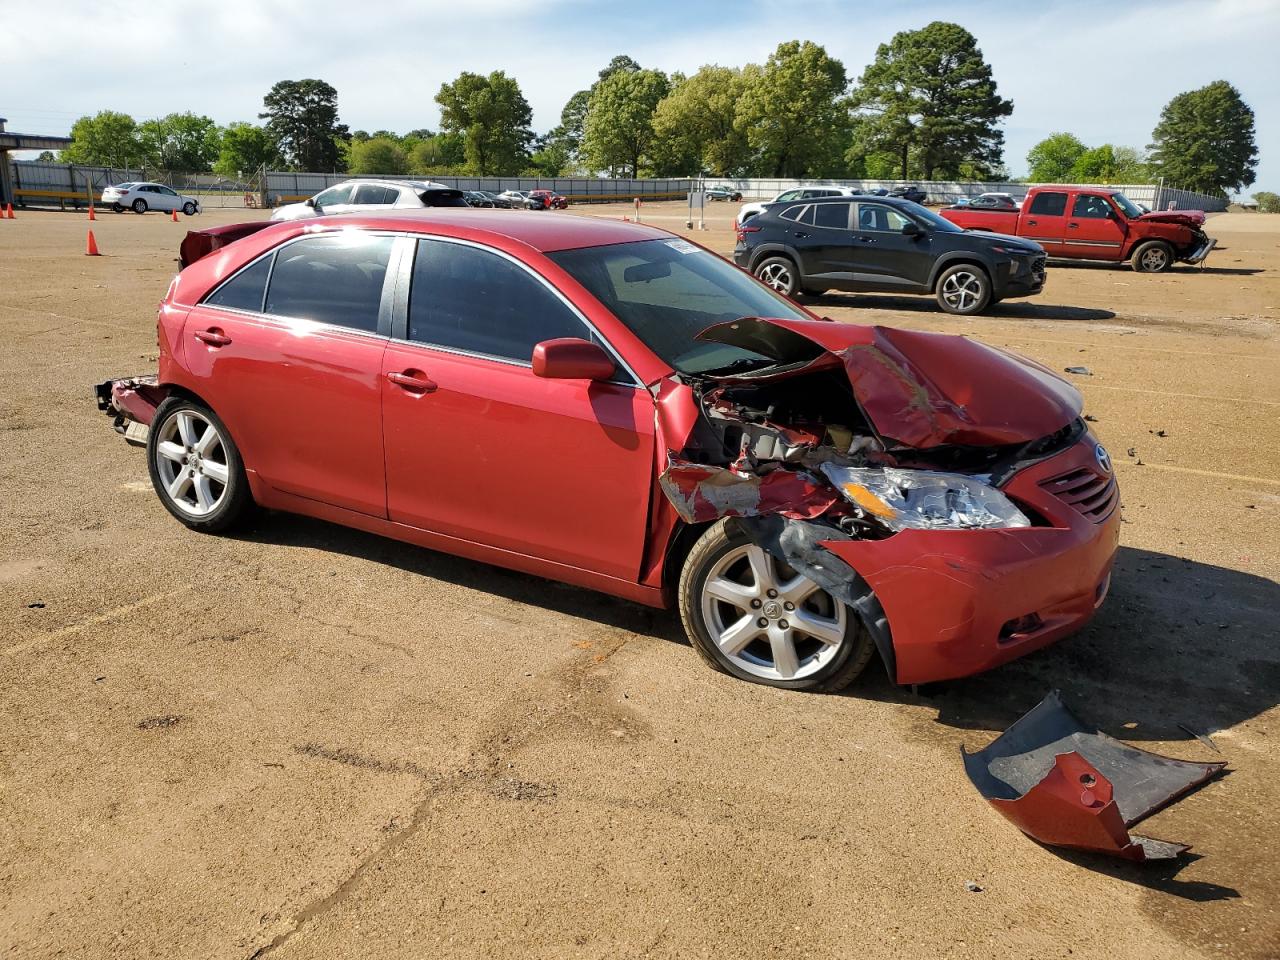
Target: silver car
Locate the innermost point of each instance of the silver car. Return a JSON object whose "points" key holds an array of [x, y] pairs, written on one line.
{"points": [[372, 196]]}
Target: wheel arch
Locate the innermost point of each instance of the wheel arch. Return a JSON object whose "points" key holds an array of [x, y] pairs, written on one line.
{"points": [[956, 259], [773, 249]]}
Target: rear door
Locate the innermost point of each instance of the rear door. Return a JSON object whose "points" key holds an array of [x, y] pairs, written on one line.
{"points": [[823, 241], [288, 352], [1094, 229], [883, 257], [1044, 220], [480, 449]]}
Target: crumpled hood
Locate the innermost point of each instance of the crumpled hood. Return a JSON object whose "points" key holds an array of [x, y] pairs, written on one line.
{"points": [[916, 389], [1188, 218]]}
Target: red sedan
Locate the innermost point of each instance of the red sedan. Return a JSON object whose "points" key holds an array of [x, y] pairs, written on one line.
{"points": [[550, 199], [601, 403]]}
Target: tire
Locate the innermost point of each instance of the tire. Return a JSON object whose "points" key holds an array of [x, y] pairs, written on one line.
{"points": [[117, 208], [780, 273], [964, 289], [139, 206], [1154, 256], [783, 654], [179, 445], [189, 209]]}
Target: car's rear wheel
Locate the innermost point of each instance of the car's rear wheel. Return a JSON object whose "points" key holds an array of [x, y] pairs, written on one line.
{"points": [[195, 467], [779, 273], [139, 206], [189, 209], [117, 208], [754, 617], [964, 289], [1154, 256]]}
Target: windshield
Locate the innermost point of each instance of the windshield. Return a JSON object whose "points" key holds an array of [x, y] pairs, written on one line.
{"points": [[669, 291], [1130, 208], [934, 221]]}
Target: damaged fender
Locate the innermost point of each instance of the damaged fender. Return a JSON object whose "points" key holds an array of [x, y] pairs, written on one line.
{"points": [[1066, 784]]}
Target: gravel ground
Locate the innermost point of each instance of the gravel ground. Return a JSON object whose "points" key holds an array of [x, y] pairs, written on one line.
{"points": [[310, 742]]}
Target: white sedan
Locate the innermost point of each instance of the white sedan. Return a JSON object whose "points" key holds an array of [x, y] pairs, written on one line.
{"points": [[373, 196], [143, 196]]}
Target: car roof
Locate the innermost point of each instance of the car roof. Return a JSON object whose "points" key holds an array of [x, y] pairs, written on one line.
{"points": [[543, 233], [415, 184]]}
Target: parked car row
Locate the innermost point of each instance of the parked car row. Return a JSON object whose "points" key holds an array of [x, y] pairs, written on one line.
{"points": [[749, 210]]}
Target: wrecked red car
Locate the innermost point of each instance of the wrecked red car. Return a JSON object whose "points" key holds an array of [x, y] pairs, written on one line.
{"points": [[612, 406]]}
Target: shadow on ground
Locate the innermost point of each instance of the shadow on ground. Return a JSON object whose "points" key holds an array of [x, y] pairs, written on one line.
{"points": [[1017, 309]]}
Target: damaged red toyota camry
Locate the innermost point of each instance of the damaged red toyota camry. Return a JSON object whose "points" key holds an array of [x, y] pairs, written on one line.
{"points": [[612, 406]]}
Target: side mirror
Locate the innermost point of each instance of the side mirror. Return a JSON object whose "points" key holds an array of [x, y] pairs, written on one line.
{"points": [[311, 201], [569, 358], [911, 229]]}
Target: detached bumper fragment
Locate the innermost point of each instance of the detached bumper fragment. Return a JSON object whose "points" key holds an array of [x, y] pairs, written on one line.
{"points": [[1202, 251], [131, 403], [1065, 784]]}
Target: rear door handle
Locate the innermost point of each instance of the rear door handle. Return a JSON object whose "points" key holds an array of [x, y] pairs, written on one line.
{"points": [[1031, 223], [414, 381], [800, 235], [213, 337], [1072, 226]]}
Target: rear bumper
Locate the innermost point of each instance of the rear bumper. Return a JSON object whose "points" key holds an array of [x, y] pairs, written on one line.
{"points": [[131, 403], [959, 602]]}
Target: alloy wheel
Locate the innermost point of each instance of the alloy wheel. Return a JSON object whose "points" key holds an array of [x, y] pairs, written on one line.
{"points": [[777, 276], [1154, 260], [769, 620], [192, 462], [962, 289]]}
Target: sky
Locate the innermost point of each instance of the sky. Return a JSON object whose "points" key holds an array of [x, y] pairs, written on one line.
{"points": [[1101, 70]]}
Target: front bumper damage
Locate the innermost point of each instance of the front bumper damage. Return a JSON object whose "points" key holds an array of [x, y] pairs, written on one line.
{"points": [[1066, 784], [1201, 251], [131, 404]]}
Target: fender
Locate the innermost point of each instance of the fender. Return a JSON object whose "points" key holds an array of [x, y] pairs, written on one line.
{"points": [[958, 256]]}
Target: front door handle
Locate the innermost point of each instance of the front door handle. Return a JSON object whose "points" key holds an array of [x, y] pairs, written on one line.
{"points": [[867, 239], [213, 337], [800, 235], [1031, 223], [414, 381], [1072, 226]]}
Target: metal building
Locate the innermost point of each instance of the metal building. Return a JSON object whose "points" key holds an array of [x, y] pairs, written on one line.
{"points": [[21, 141]]}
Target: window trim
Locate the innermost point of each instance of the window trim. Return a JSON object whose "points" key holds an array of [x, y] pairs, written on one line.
{"points": [[385, 314], [848, 218], [400, 319]]}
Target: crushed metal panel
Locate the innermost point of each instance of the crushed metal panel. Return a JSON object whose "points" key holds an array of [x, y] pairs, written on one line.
{"points": [[1066, 784], [702, 492]]}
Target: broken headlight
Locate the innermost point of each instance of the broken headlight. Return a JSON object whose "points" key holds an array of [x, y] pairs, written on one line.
{"points": [[925, 500]]}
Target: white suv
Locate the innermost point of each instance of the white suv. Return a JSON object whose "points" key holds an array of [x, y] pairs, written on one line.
{"points": [[372, 196], [749, 210]]}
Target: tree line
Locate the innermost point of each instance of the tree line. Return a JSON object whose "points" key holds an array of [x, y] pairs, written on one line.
{"points": [[927, 107]]}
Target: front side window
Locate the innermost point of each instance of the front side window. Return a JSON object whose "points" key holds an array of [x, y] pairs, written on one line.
{"points": [[375, 194], [1049, 204], [1130, 208], [474, 300], [875, 217], [1089, 207], [669, 291], [335, 195], [331, 279], [789, 195], [167, 191], [835, 215]]}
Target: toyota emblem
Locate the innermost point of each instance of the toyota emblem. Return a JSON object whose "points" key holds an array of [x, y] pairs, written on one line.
{"points": [[1103, 458]]}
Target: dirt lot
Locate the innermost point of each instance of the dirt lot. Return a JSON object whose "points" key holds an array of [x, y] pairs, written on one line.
{"points": [[309, 742]]}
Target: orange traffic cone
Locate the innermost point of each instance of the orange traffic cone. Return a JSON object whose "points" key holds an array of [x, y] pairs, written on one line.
{"points": [[8, 210], [91, 216], [173, 215], [91, 248]]}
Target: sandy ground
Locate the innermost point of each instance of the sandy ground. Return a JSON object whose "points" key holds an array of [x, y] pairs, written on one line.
{"points": [[309, 742]]}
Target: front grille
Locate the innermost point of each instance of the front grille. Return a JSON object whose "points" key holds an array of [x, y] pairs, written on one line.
{"points": [[1091, 493], [1037, 266]]}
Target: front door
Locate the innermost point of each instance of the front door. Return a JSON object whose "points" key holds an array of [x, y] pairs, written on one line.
{"points": [[479, 448], [1094, 229], [884, 257], [294, 369], [1045, 221]]}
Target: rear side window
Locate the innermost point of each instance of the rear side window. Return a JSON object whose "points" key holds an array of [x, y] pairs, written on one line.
{"points": [[245, 290], [1049, 204], [335, 280], [793, 213], [831, 215], [375, 194], [465, 298]]}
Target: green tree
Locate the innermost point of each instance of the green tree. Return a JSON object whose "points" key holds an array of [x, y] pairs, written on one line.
{"points": [[378, 154], [934, 99], [794, 113], [618, 133], [493, 116], [439, 153], [180, 141], [107, 138], [697, 126], [1205, 140], [1268, 202], [302, 117], [551, 155], [1053, 158], [574, 115], [46, 156], [245, 147]]}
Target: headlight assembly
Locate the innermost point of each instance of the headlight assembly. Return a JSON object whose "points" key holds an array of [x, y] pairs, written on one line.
{"points": [[925, 500]]}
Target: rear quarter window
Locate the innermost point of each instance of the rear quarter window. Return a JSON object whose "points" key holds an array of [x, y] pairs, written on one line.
{"points": [[245, 290]]}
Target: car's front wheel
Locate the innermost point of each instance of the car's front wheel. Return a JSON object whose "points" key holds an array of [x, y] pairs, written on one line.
{"points": [[1154, 256], [139, 206], [195, 467], [189, 209], [779, 273], [751, 615], [964, 289]]}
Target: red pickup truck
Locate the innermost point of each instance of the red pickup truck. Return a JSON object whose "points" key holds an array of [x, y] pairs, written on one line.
{"points": [[1095, 223]]}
